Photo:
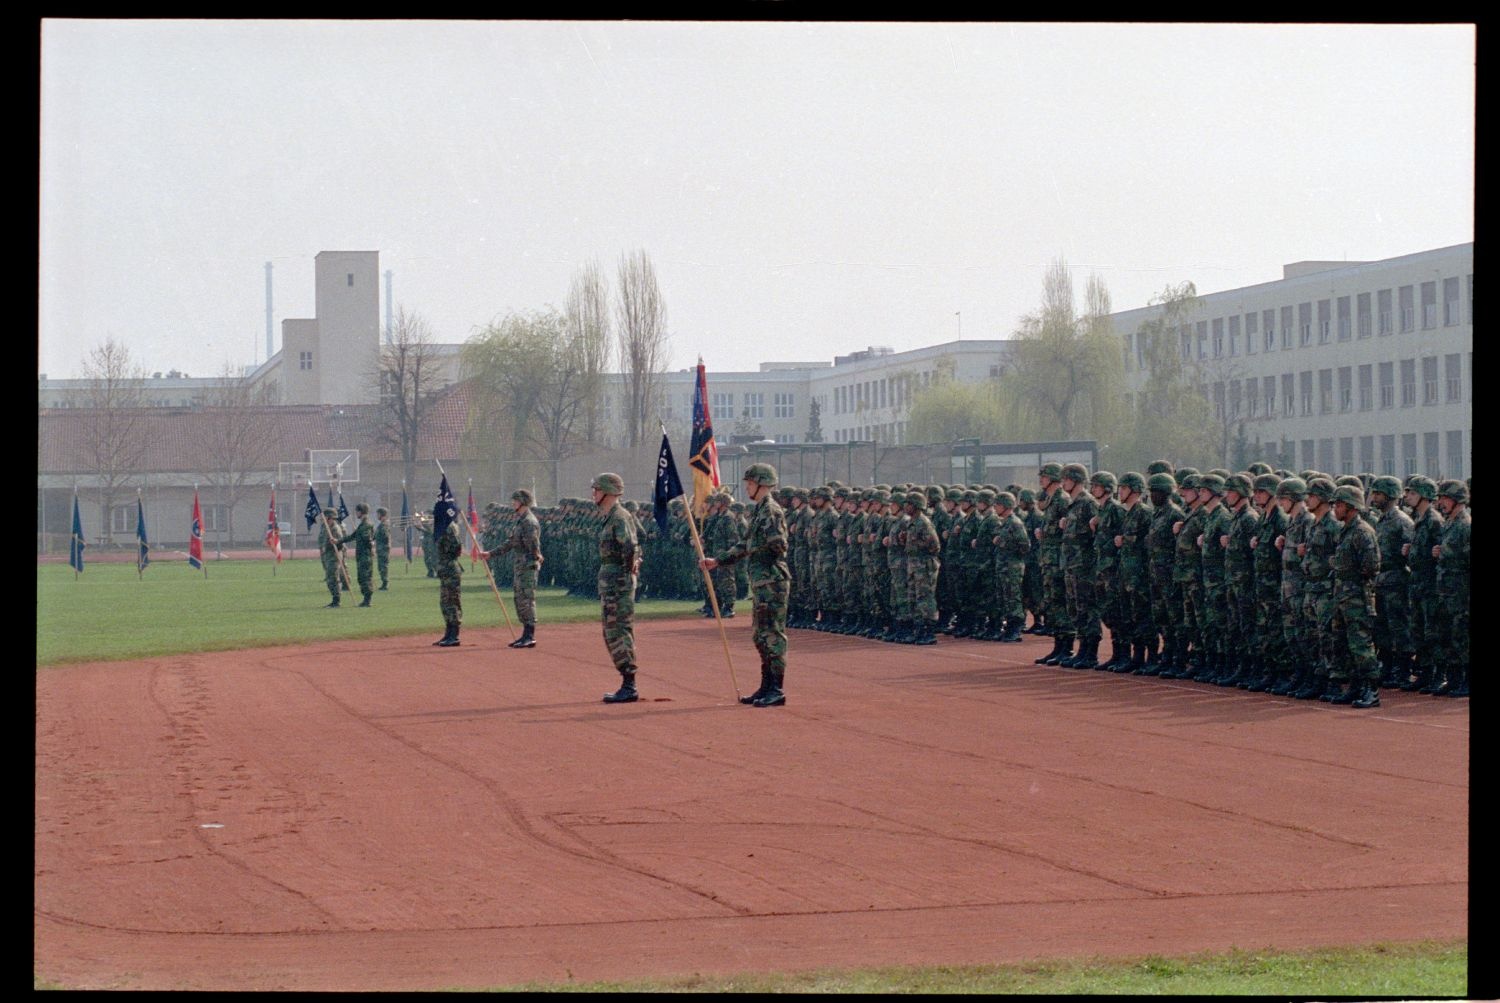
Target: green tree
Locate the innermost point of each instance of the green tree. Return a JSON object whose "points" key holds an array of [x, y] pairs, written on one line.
{"points": [[948, 411], [1173, 420], [814, 421]]}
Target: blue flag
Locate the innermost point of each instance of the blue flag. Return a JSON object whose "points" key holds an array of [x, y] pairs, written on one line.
{"points": [[313, 509], [75, 548], [668, 485], [143, 554], [445, 511], [343, 509], [406, 521]]}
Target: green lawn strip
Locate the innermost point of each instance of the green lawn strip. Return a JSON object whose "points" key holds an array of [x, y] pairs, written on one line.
{"points": [[109, 613], [1412, 971]]}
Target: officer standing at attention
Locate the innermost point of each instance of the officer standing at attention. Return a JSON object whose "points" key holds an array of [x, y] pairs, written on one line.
{"points": [[330, 542], [450, 573], [382, 547], [525, 542], [363, 535], [619, 563], [764, 548]]}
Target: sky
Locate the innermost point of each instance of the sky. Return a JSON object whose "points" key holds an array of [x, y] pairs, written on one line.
{"points": [[803, 190]]}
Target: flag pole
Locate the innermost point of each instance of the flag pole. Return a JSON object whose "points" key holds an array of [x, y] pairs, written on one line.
{"points": [[713, 599], [140, 572], [77, 538], [495, 588], [406, 529], [467, 523], [278, 528]]}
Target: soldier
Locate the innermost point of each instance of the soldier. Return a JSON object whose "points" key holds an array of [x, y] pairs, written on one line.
{"points": [[525, 544], [877, 599], [763, 548], [1392, 622], [1134, 556], [720, 532], [824, 555], [382, 546], [894, 542], [363, 535], [1031, 582], [1166, 590], [1452, 555], [1427, 532], [429, 546], [1187, 571], [1108, 525], [858, 612], [950, 578], [983, 594], [1053, 503], [1317, 587], [1294, 674], [1012, 545], [1210, 543], [450, 571], [1080, 567], [330, 545], [1355, 563], [619, 563], [1270, 651], [1242, 643], [922, 567]]}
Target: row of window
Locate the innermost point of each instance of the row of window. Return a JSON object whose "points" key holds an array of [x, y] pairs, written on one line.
{"points": [[1344, 318], [1378, 454], [215, 518], [892, 391], [889, 434]]}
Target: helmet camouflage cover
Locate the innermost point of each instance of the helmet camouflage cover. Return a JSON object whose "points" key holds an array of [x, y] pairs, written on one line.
{"points": [[610, 484]]}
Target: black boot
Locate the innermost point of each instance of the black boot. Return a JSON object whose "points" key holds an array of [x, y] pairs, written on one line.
{"points": [[366, 601], [1368, 696], [765, 684], [1418, 676], [1460, 688], [451, 641], [773, 696], [1087, 657], [1340, 694], [1062, 647], [447, 635], [1012, 633], [924, 633], [1314, 688], [334, 603], [626, 693], [527, 638]]}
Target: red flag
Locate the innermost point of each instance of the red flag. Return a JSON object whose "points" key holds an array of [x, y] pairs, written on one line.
{"points": [[273, 531], [474, 525], [195, 545]]}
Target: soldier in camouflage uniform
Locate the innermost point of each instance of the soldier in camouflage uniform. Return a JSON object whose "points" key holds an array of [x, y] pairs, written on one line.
{"points": [[619, 563], [1012, 545], [877, 598], [894, 542], [1452, 555], [382, 546], [824, 555], [1294, 672], [363, 536], [1108, 525], [1031, 583], [940, 511], [330, 544], [1242, 643], [1166, 591], [1392, 623], [797, 558], [450, 573], [961, 563], [1080, 568], [1270, 650], [985, 598], [1215, 609], [1187, 572], [1427, 532], [950, 578], [857, 612], [1355, 564], [525, 546], [763, 548], [1054, 505], [1317, 587], [922, 568], [1133, 545], [429, 546], [720, 532]]}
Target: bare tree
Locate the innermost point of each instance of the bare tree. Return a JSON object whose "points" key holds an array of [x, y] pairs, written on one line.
{"points": [[234, 437], [641, 314], [115, 423], [409, 378], [587, 317]]}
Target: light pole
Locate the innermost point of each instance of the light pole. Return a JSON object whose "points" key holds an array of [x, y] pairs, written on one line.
{"points": [[960, 315]]}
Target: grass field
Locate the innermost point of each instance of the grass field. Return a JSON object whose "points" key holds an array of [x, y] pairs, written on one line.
{"points": [[1404, 971], [109, 613]]}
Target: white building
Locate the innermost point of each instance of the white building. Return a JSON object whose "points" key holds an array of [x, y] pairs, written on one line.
{"points": [[1340, 366]]}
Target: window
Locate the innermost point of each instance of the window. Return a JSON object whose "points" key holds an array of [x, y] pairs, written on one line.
{"points": [[1307, 453], [120, 519], [1325, 391], [784, 407], [1408, 382], [755, 405], [1429, 305], [1286, 327], [1268, 386], [1455, 454], [1453, 372], [1219, 400], [1367, 452], [607, 405], [1346, 322], [1187, 343], [215, 518], [1252, 398], [1388, 455], [1408, 311], [1346, 455], [1450, 302], [1383, 306], [1203, 339], [1218, 328], [1408, 454], [1304, 381], [1325, 454], [1304, 323], [1288, 395], [1268, 318], [882, 394], [1234, 398], [722, 406], [304, 360], [1471, 300], [1234, 335], [1429, 379], [1323, 321], [1252, 333], [786, 438], [1346, 388], [351, 280], [1362, 313], [1434, 462], [1387, 384], [1366, 389]]}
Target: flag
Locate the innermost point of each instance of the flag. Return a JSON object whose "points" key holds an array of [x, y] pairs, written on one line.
{"points": [[273, 531], [313, 509], [704, 455], [474, 525], [445, 511], [668, 485], [195, 545], [143, 552], [406, 521], [343, 509], [75, 548]]}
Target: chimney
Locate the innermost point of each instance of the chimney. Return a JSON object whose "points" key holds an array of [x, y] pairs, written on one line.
{"points": [[270, 348], [387, 306]]}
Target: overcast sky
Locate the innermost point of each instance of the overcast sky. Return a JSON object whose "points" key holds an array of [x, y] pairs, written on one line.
{"points": [[803, 190]]}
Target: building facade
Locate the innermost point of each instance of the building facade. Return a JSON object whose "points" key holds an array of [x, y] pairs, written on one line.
{"points": [[1339, 366]]}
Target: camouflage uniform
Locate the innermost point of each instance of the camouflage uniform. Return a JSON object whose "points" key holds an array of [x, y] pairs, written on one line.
{"points": [[895, 561], [1296, 633], [1054, 583], [1242, 644], [1453, 564], [525, 546], [1354, 564], [877, 599], [985, 598], [1317, 593], [1422, 598], [1187, 571], [1031, 582], [1394, 531], [1012, 546], [330, 542], [429, 549], [825, 557], [763, 547], [1270, 650], [619, 550], [363, 536], [922, 566], [1107, 583], [1136, 626], [1215, 608], [450, 572], [720, 532], [1081, 570], [382, 548], [1166, 590]]}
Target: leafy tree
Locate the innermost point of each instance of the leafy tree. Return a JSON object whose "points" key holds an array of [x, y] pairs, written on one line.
{"points": [[1174, 420], [814, 422]]}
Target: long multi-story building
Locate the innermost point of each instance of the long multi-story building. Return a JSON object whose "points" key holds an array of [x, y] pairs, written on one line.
{"points": [[1339, 366]]}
